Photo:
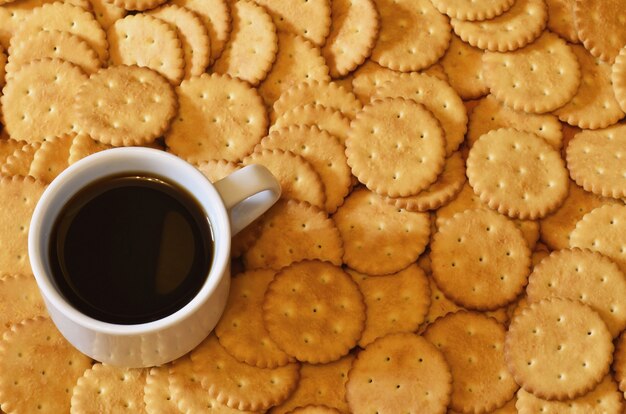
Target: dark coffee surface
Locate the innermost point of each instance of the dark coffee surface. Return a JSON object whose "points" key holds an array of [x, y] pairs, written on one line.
{"points": [[130, 249]]}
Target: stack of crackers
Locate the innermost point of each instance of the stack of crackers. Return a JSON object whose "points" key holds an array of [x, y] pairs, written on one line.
{"points": [[452, 233]]}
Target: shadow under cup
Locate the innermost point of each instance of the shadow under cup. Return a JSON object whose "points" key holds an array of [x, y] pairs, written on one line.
{"points": [[136, 344]]}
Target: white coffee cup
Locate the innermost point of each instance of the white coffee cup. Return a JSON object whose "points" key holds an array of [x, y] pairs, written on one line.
{"points": [[230, 205]]}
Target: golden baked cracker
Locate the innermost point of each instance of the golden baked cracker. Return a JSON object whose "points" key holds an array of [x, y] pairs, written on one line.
{"points": [[51, 158], [481, 10], [161, 50], [581, 274], [561, 19], [618, 78], [68, 18], [309, 19], [558, 349], [345, 82], [52, 44], [237, 384], [325, 154], [473, 345], [596, 161], [539, 78], [557, 227], [109, 389], [604, 231], [315, 409], [39, 368], [395, 147], [297, 60], [491, 114], [399, 372], [38, 100], [314, 311], [125, 105], [464, 67], [515, 28], [480, 260], [138, 5], [83, 145], [604, 398], [320, 384], [252, 25], [241, 331], [594, 105], [19, 299], [327, 119], [215, 15], [413, 35], [379, 238], [3, 62], [438, 97], [517, 173], [107, 13], [18, 197], [215, 170], [352, 37], [8, 146], [297, 177], [394, 303], [600, 26], [157, 394], [619, 362], [193, 36], [329, 94], [440, 305], [293, 231], [447, 186], [219, 117], [19, 162], [368, 77]]}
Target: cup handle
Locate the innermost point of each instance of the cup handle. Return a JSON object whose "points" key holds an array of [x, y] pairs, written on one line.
{"points": [[247, 193]]}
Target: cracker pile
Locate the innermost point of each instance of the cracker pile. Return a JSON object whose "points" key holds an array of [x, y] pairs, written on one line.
{"points": [[452, 233]]}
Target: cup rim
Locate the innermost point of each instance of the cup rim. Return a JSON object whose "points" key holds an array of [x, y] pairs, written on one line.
{"points": [[208, 192]]}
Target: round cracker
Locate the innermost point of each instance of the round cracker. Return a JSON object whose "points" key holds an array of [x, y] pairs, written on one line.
{"points": [[481, 10], [52, 44], [307, 323], [601, 27], [237, 384], [297, 60], [538, 78], [251, 25], [107, 13], [219, 117], [19, 299], [558, 349], [192, 34], [397, 372], [379, 238], [597, 162], [464, 67], [352, 37], [326, 119], [586, 276], [20, 161], [161, 48], [438, 97], [594, 105], [517, 173], [241, 331], [619, 362], [157, 394], [293, 231], [125, 105], [561, 19], [516, 28], [51, 158], [138, 5], [38, 100], [396, 147], [297, 177], [480, 259], [82, 146], [473, 345], [618, 78]]}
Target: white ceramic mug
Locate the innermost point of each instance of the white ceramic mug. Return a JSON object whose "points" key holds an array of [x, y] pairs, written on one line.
{"points": [[230, 205]]}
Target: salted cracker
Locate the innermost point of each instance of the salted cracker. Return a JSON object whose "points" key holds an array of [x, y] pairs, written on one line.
{"points": [[37, 102], [219, 117], [539, 78], [413, 35], [397, 372], [481, 10], [39, 368], [561, 19], [327, 119], [600, 26], [19, 162], [125, 105], [83, 145], [19, 299], [107, 13], [138, 5], [378, 237], [558, 349], [517, 173], [157, 394], [352, 37], [618, 78], [464, 67], [51, 158], [251, 25]]}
